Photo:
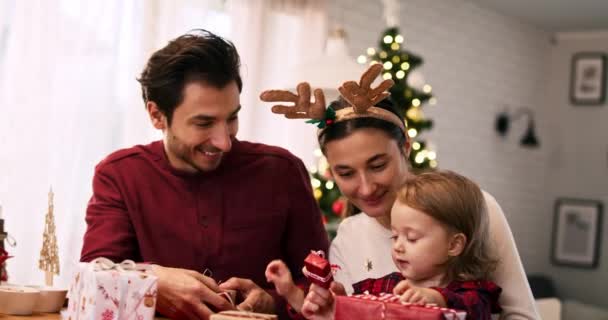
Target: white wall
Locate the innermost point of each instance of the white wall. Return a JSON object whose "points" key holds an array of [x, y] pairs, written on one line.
{"points": [[579, 149], [477, 61]]}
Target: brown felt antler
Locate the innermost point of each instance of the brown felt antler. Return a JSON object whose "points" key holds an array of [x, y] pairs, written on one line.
{"points": [[360, 95], [302, 108]]}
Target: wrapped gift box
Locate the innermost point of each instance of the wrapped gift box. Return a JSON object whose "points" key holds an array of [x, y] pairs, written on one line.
{"points": [[388, 307], [107, 291], [317, 269]]}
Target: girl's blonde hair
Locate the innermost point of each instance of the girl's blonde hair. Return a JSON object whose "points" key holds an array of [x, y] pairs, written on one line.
{"points": [[459, 204]]}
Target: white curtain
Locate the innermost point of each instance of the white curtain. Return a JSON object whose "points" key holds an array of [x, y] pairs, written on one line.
{"points": [[68, 97], [272, 37]]}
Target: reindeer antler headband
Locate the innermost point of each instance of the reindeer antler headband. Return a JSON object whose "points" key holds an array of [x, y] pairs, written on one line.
{"points": [[360, 96]]}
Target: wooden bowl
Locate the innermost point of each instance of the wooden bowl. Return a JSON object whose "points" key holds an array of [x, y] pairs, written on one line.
{"points": [[51, 299], [18, 300]]}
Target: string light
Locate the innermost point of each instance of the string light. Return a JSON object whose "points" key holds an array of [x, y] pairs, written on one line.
{"points": [[433, 164], [315, 183], [323, 165], [388, 39], [387, 76], [416, 145], [414, 114], [313, 169], [405, 66], [388, 65], [412, 132], [361, 59], [396, 59], [416, 102], [318, 194], [399, 38], [427, 88], [432, 101], [329, 185], [371, 51], [432, 155], [383, 55], [419, 158], [400, 74], [395, 46], [318, 152]]}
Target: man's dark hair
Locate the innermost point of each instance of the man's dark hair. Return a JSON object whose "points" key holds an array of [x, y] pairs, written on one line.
{"points": [[199, 56]]}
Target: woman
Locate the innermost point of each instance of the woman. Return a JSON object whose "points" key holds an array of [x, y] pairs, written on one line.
{"points": [[366, 146]]}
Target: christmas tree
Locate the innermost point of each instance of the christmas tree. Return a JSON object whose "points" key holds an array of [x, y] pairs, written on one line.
{"points": [[409, 94], [399, 65], [331, 201], [49, 258]]}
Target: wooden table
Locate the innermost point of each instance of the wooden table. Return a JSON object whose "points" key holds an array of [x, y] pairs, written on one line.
{"points": [[40, 316], [35, 316]]}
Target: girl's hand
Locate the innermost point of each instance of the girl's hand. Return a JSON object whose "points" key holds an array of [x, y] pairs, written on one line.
{"points": [[278, 273], [320, 303], [418, 295]]}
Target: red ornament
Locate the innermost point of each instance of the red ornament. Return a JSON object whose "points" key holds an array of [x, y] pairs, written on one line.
{"points": [[324, 219], [317, 269], [328, 122], [3, 256], [338, 206]]}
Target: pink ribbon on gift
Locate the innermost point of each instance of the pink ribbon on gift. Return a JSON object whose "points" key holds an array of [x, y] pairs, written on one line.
{"points": [[105, 264]]}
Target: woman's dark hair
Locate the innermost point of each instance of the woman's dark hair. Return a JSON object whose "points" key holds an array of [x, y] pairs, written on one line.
{"points": [[342, 129], [199, 56]]}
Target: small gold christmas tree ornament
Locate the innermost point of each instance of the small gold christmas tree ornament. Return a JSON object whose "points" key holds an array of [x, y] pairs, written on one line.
{"points": [[49, 258]]}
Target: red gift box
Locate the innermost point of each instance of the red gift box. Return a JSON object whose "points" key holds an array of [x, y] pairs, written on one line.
{"points": [[388, 307], [317, 269]]}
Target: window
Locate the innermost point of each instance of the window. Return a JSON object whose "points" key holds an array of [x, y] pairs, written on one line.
{"points": [[6, 11]]}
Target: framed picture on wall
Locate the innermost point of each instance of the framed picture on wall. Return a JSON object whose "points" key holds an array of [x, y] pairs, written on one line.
{"points": [[576, 232], [588, 79]]}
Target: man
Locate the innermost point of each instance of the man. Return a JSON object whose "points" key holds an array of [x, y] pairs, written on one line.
{"points": [[200, 200]]}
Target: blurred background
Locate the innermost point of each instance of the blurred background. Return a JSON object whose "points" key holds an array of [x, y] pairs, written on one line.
{"points": [[509, 93]]}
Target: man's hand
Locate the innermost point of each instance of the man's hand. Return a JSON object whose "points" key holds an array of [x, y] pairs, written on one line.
{"points": [[418, 295], [187, 294], [256, 299]]}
